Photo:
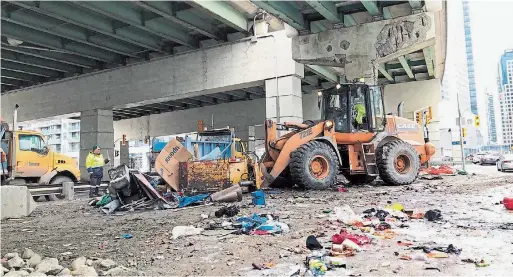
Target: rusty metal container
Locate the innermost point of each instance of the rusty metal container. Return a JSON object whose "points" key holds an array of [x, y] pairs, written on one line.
{"points": [[204, 176]]}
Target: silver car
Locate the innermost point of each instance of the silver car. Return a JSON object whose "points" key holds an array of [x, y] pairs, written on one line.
{"points": [[477, 157], [505, 163], [490, 158]]}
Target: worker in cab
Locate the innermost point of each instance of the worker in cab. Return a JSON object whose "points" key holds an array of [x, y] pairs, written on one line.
{"points": [[94, 165], [359, 111]]}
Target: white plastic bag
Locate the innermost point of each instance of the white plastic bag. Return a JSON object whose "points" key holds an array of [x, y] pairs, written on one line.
{"points": [[346, 215], [184, 231]]}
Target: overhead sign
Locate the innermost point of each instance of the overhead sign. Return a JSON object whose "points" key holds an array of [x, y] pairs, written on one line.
{"points": [[458, 142]]}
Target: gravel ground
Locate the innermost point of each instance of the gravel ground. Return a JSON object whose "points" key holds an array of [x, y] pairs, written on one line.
{"points": [[472, 220]]}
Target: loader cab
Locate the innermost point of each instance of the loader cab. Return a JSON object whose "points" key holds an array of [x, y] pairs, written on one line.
{"points": [[353, 108]]}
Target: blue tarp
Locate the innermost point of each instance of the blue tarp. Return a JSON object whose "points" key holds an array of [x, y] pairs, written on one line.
{"points": [[188, 200]]}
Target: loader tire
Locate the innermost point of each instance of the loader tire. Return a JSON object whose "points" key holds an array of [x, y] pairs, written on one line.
{"points": [[314, 166], [398, 163], [360, 179]]}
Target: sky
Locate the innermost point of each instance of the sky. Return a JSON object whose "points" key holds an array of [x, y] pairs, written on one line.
{"points": [[492, 33]]}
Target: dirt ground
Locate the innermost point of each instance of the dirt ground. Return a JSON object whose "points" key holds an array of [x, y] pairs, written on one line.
{"points": [[472, 220]]}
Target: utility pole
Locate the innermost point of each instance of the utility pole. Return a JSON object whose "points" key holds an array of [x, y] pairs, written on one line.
{"points": [[461, 132]]}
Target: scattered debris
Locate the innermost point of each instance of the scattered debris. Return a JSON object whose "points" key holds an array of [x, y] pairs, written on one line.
{"points": [[433, 215], [312, 243], [184, 231]]}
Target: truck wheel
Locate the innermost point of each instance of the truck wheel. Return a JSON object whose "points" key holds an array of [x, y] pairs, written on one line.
{"points": [[360, 179], [314, 166], [57, 181], [398, 163]]}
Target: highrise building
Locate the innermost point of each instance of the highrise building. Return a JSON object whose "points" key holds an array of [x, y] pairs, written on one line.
{"points": [[506, 96], [492, 130], [470, 58], [63, 135]]}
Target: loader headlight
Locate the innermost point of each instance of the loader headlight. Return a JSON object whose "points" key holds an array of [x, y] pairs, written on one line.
{"points": [[328, 125]]}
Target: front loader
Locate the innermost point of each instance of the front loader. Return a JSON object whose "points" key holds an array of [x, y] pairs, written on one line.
{"points": [[354, 137]]}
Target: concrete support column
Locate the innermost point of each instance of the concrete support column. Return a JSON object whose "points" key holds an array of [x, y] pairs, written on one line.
{"points": [[96, 128], [284, 99]]}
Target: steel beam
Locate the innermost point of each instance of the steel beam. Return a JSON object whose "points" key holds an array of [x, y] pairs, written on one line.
{"points": [[12, 82], [54, 27], [205, 99], [406, 67], [323, 72], [349, 20], [21, 76], [428, 56], [387, 14], [129, 113], [54, 42], [156, 26], [372, 7], [189, 102], [49, 54], [326, 9], [224, 13], [415, 4], [30, 69], [285, 11], [383, 71], [68, 13], [184, 18], [33, 61]]}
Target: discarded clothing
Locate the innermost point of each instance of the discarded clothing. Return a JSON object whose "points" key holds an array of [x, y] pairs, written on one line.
{"points": [[317, 267], [250, 223], [312, 243], [358, 239], [383, 226], [106, 199], [189, 200], [433, 215], [381, 214], [450, 249]]}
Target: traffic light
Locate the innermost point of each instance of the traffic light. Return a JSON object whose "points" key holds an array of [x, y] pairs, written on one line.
{"points": [[418, 117], [477, 121], [123, 140], [429, 116], [463, 132]]}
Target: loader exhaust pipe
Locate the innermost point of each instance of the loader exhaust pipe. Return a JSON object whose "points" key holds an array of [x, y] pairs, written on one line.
{"points": [[400, 109]]}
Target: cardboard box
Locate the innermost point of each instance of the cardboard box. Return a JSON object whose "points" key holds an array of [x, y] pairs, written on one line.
{"points": [[167, 162]]}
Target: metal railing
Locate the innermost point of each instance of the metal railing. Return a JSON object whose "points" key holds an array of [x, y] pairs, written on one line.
{"points": [[42, 190]]}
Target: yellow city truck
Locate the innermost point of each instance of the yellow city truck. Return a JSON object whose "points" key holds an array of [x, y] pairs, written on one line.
{"points": [[26, 159]]}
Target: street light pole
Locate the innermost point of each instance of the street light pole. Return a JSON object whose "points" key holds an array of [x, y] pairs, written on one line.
{"points": [[461, 132]]}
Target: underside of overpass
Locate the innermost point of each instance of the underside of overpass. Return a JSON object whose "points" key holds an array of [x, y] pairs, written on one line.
{"points": [[145, 59]]}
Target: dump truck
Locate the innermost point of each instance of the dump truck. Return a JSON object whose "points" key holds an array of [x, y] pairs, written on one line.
{"points": [[208, 161], [355, 138], [26, 159]]}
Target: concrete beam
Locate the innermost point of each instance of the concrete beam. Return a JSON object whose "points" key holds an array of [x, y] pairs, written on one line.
{"points": [[324, 73], [356, 48], [406, 67], [326, 9], [225, 13], [225, 67]]}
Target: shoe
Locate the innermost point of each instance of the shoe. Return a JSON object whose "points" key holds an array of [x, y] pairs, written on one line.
{"points": [[97, 192]]}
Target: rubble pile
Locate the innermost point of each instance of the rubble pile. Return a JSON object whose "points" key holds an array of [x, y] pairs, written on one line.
{"points": [[33, 264]]}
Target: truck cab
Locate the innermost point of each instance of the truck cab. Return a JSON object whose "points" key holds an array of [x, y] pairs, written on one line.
{"points": [[34, 161]]}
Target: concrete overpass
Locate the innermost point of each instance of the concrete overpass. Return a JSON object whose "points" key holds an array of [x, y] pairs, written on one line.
{"points": [[155, 68]]}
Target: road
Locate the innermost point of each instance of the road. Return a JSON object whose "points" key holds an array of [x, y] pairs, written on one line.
{"points": [[473, 220]]}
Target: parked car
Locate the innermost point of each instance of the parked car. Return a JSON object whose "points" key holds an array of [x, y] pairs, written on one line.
{"points": [[490, 158], [477, 157], [505, 163]]}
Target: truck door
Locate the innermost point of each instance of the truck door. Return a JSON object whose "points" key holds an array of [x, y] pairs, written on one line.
{"points": [[32, 156]]}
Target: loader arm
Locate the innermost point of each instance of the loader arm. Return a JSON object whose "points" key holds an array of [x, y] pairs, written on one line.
{"points": [[279, 149]]}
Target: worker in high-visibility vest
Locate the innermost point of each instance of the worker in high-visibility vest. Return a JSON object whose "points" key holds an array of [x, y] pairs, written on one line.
{"points": [[359, 111], [94, 165]]}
